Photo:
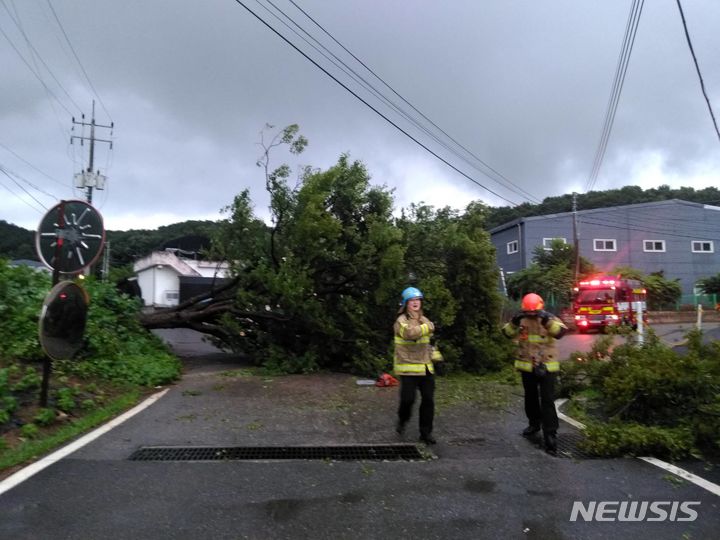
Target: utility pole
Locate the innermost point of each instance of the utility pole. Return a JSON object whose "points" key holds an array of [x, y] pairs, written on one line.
{"points": [[106, 261], [87, 179], [576, 241]]}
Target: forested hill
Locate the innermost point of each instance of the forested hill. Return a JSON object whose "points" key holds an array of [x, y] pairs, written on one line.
{"points": [[602, 199], [16, 242], [127, 246]]}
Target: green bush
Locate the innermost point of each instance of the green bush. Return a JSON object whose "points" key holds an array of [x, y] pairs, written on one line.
{"points": [[31, 380], [45, 417], [88, 404], [9, 403], [584, 370], [619, 439], [30, 431], [64, 399], [656, 400], [22, 291], [117, 347]]}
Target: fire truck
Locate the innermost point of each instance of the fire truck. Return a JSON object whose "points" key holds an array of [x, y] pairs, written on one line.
{"points": [[602, 301]]}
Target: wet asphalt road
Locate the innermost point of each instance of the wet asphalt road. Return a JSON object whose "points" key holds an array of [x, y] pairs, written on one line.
{"points": [[486, 481]]}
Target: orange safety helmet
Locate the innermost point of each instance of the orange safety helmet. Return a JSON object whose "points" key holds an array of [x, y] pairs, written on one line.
{"points": [[532, 302]]}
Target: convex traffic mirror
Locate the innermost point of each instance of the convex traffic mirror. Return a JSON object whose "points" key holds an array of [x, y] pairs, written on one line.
{"points": [[62, 320]]}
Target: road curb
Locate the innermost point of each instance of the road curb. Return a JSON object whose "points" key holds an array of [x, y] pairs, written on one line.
{"points": [[34, 468], [677, 471]]}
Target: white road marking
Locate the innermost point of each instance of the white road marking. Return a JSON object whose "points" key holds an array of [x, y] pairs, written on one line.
{"points": [[682, 473], [685, 475], [559, 403], [25, 473]]}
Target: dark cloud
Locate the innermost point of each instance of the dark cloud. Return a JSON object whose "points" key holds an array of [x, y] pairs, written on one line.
{"points": [[189, 85]]}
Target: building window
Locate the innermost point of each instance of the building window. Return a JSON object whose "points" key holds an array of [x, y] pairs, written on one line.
{"points": [[604, 244], [547, 242], [703, 246], [512, 247], [654, 245]]}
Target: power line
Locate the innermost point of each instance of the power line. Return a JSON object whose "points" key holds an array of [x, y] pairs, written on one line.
{"points": [[16, 20], [33, 166], [33, 71], [370, 106], [2, 170], [20, 198], [697, 68], [28, 182], [618, 82], [50, 101], [78, 59], [350, 72], [524, 193]]}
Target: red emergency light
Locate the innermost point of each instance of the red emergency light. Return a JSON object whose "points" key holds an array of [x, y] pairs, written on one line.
{"points": [[598, 282]]}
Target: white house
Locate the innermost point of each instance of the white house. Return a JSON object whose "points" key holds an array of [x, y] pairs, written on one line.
{"points": [[159, 276]]}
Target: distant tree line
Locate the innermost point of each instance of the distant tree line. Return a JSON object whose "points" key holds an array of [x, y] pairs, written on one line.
{"points": [[16, 242], [128, 246], [602, 199]]}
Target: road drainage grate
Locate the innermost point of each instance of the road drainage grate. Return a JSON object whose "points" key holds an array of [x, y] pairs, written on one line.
{"points": [[567, 446], [393, 452]]}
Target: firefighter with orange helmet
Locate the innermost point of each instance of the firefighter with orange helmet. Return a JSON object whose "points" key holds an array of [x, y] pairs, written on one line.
{"points": [[536, 331]]}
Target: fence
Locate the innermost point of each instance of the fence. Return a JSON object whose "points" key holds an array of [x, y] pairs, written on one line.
{"points": [[690, 302]]}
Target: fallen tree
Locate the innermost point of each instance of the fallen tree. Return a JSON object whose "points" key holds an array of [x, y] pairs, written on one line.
{"points": [[319, 287]]}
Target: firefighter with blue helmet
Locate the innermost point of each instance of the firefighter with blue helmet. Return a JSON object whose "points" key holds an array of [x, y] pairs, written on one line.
{"points": [[413, 363], [535, 331]]}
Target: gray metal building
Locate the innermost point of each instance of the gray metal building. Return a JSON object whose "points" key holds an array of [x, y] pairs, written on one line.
{"points": [[678, 237]]}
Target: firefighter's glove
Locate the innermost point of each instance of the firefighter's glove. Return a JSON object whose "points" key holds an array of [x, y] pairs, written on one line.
{"points": [[516, 319], [540, 370]]}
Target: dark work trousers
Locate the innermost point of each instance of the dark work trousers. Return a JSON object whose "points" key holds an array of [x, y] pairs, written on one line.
{"points": [[540, 405], [409, 384]]}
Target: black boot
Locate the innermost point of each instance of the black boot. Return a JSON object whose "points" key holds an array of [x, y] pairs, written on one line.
{"points": [[400, 427], [427, 438], [551, 443], [530, 430]]}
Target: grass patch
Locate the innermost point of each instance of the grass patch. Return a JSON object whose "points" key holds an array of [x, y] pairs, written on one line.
{"points": [[32, 449], [490, 390], [244, 372]]}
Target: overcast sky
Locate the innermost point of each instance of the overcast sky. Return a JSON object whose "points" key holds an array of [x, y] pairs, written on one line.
{"points": [[189, 85]]}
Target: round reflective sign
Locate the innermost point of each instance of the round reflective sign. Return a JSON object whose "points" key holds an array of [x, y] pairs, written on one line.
{"points": [[62, 320], [70, 237]]}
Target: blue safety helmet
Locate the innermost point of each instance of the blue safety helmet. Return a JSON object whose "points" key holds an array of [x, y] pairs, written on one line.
{"points": [[409, 294]]}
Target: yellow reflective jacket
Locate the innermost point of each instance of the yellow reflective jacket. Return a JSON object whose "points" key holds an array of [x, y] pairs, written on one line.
{"points": [[536, 343], [413, 352]]}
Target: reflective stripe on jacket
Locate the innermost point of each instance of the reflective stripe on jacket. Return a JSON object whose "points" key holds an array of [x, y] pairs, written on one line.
{"points": [[536, 343], [413, 352]]}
